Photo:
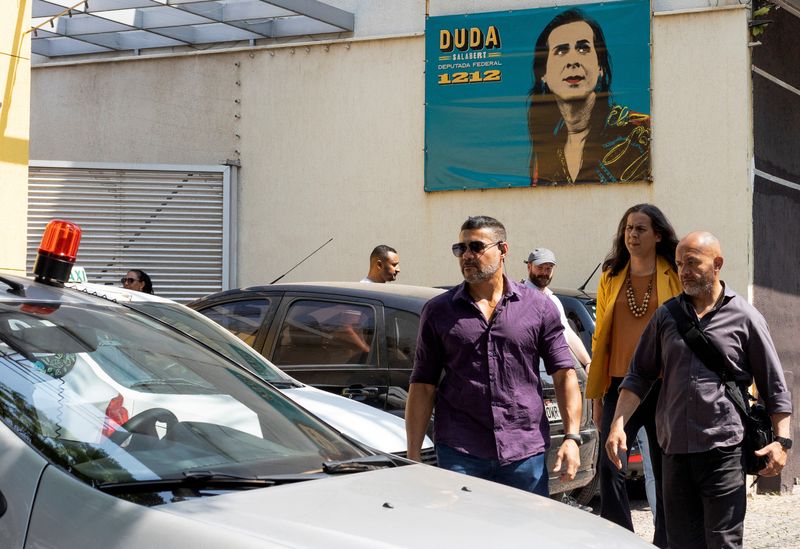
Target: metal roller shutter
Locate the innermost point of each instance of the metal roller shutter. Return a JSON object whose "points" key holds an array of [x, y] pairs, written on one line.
{"points": [[171, 222]]}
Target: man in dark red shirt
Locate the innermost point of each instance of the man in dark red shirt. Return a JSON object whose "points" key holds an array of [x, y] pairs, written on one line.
{"points": [[487, 336]]}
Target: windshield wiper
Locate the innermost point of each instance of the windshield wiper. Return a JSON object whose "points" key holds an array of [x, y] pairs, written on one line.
{"points": [[283, 383], [358, 465], [200, 480], [172, 381]]}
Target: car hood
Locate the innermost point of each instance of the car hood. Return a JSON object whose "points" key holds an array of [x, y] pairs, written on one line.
{"points": [[411, 506], [377, 429]]}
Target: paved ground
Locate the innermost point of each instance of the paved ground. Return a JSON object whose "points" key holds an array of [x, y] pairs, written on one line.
{"points": [[772, 522]]}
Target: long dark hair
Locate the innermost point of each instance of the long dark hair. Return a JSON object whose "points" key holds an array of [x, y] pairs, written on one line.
{"points": [[542, 50], [144, 277], [544, 116], [619, 255]]}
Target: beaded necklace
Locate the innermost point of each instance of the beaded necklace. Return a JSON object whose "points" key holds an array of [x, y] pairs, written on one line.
{"points": [[638, 311]]}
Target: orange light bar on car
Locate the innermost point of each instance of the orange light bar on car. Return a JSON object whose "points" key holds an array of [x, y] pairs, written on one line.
{"points": [[57, 251], [61, 239]]}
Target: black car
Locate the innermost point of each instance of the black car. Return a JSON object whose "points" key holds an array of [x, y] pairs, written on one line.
{"points": [[581, 310], [358, 340]]}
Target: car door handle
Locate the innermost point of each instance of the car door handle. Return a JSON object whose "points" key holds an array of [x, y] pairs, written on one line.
{"points": [[3, 505], [357, 391]]}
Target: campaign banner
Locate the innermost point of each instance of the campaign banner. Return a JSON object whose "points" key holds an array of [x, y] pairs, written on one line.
{"points": [[539, 97]]}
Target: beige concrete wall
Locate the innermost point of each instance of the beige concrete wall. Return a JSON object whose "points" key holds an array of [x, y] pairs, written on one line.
{"points": [[15, 68], [331, 138], [703, 130], [164, 110]]}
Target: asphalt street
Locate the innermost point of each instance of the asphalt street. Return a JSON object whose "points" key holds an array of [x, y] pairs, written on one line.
{"points": [[772, 522]]}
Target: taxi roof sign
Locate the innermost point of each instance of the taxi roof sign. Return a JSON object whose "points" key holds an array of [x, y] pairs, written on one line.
{"points": [[78, 275]]}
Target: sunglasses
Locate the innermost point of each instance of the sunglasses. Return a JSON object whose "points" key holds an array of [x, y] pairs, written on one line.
{"points": [[476, 247], [127, 280]]}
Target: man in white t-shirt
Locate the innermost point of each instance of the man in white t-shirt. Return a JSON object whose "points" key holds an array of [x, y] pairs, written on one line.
{"points": [[541, 265], [383, 265]]}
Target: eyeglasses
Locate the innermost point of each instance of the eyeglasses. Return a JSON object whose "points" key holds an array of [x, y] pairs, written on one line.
{"points": [[476, 247], [127, 280]]}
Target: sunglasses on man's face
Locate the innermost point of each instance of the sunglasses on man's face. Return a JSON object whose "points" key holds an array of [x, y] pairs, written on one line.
{"points": [[476, 247], [128, 280]]}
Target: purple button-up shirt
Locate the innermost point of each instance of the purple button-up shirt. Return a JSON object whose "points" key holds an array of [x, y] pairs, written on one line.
{"points": [[489, 400]]}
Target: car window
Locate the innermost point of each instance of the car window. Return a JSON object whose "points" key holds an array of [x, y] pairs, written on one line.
{"points": [[326, 332], [209, 333], [241, 318], [113, 396], [401, 337]]}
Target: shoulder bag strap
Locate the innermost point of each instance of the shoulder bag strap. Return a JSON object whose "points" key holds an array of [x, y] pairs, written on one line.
{"points": [[694, 336]]}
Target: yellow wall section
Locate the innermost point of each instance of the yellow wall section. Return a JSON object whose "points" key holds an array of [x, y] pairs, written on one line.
{"points": [[15, 78]]}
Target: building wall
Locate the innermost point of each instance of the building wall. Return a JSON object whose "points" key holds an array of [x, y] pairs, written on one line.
{"points": [[776, 201], [15, 68], [330, 138]]}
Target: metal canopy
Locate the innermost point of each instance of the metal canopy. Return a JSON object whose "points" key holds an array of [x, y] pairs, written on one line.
{"points": [[66, 27]]}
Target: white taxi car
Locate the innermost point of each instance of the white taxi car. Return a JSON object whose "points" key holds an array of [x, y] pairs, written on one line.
{"points": [[372, 427]]}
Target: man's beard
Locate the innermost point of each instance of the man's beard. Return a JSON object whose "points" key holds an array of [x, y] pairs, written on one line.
{"points": [[540, 281], [701, 287], [481, 274]]}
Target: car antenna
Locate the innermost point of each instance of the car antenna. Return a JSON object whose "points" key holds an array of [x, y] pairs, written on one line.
{"points": [[301, 261], [582, 287]]}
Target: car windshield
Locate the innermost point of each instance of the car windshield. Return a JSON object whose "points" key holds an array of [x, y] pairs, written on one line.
{"points": [[209, 333], [113, 396]]}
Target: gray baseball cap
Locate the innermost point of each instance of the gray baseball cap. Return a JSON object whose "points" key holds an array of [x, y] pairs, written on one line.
{"points": [[541, 255]]}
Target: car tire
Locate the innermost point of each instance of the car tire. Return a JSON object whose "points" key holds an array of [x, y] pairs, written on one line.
{"points": [[585, 494]]}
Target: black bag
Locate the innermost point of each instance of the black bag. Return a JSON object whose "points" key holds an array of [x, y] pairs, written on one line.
{"points": [[757, 434], [755, 419]]}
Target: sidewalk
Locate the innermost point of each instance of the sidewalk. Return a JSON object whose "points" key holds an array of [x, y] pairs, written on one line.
{"points": [[772, 522]]}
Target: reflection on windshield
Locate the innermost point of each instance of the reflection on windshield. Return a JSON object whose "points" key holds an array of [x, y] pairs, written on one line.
{"points": [[114, 396], [206, 331]]}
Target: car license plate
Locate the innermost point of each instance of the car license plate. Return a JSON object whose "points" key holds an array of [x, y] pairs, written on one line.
{"points": [[551, 411]]}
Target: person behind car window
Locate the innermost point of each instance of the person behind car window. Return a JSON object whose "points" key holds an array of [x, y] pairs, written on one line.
{"points": [[137, 280], [700, 430], [383, 265], [541, 267], [639, 274], [486, 336], [351, 326]]}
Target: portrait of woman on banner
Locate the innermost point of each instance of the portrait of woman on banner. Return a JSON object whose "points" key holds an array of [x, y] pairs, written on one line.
{"points": [[578, 133]]}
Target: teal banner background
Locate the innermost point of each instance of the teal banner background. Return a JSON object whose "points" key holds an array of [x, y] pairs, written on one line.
{"points": [[476, 132]]}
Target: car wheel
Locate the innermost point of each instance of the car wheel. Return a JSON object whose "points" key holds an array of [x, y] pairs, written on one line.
{"points": [[585, 494]]}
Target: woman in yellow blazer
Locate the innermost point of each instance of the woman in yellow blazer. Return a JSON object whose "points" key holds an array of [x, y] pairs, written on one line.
{"points": [[639, 274]]}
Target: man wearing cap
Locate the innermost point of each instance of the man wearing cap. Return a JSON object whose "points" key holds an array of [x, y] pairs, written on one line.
{"points": [[541, 265]]}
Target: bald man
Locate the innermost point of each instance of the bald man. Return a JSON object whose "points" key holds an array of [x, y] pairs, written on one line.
{"points": [[699, 429]]}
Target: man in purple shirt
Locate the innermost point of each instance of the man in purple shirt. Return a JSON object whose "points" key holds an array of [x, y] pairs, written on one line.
{"points": [[699, 429], [477, 360]]}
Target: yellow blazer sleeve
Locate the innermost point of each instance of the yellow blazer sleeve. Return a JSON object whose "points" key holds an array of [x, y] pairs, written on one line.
{"points": [[607, 291], [668, 283]]}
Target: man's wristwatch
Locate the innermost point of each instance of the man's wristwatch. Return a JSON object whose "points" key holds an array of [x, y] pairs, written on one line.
{"points": [[785, 442], [578, 440]]}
